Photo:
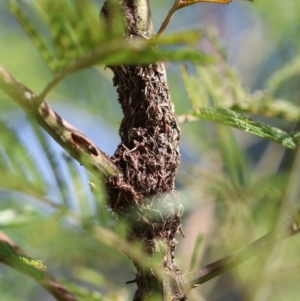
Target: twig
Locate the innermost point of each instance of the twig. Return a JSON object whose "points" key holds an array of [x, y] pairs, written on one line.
{"points": [[186, 118], [195, 278], [71, 139], [49, 282], [185, 3], [168, 18], [178, 4]]}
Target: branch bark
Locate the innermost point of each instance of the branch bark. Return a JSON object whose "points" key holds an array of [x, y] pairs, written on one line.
{"points": [[71, 139]]}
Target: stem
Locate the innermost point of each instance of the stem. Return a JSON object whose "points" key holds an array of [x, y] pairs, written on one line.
{"points": [[166, 21], [178, 4]]}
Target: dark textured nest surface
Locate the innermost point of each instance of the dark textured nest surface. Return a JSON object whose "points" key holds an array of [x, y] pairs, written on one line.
{"points": [[149, 152]]}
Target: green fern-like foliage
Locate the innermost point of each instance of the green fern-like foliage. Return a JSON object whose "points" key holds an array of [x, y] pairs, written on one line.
{"points": [[71, 32], [19, 168], [38, 203], [55, 213], [74, 37], [221, 88], [238, 121], [284, 74]]}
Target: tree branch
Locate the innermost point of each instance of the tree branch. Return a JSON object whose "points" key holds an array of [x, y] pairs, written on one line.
{"points": [[166, 21], [178, 4], [71, 139], [195, 278], [49, 282]]}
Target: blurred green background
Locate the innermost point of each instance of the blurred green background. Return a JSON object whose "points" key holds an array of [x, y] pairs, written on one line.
{"points": [[234, 186]]}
